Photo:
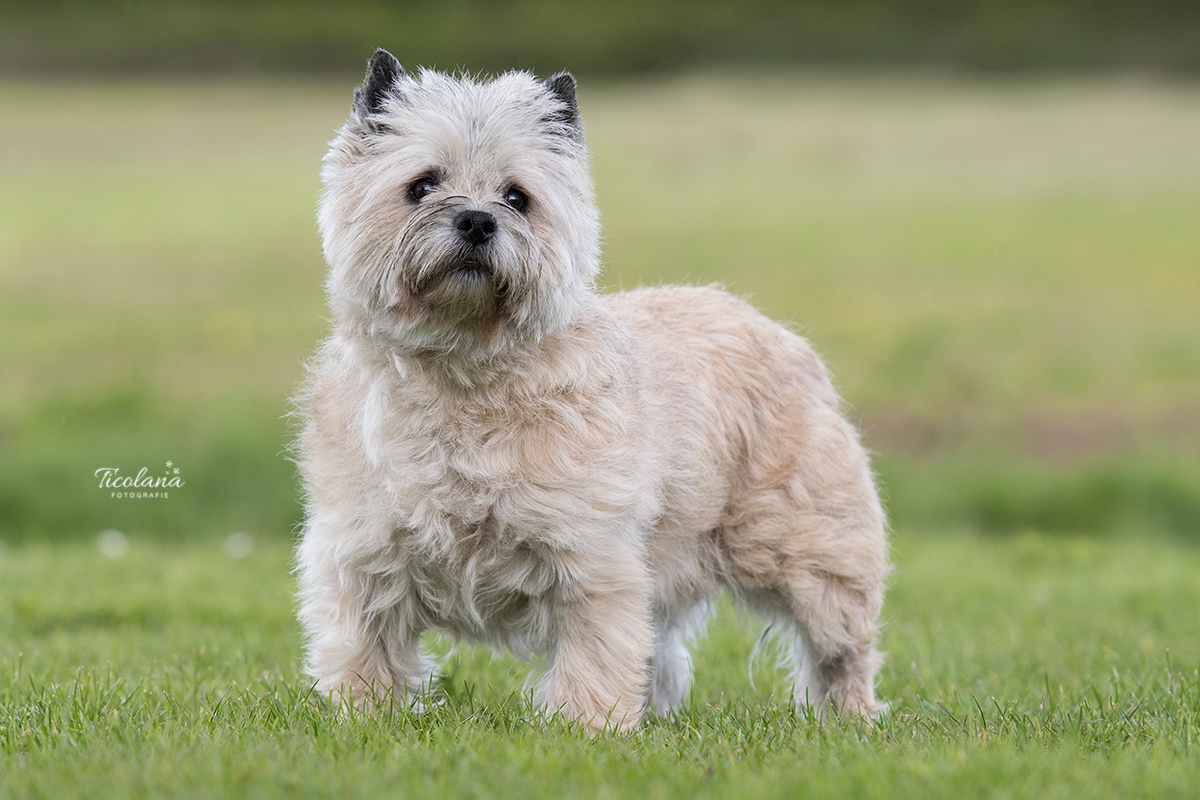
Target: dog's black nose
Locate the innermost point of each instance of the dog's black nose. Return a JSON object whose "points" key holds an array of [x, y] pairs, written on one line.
{"points": [[475, 226]]}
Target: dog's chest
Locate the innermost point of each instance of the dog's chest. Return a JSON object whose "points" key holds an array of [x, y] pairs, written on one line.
{"points": [[460, 480], [497, 509], [481, 554]]}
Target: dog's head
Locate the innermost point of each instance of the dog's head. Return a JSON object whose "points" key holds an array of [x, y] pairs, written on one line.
{"points": [[458, 215]]}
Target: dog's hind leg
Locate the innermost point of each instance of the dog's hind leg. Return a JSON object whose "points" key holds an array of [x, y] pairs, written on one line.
{"points": [[822, 577], [832, 603], [671, 668], [832, 655]]}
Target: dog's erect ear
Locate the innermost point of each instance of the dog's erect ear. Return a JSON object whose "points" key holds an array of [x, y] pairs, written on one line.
{"points": [[383, 72], [562, 86]]}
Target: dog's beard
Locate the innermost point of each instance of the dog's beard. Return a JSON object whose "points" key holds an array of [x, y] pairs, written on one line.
{"points": [[435, 277], [465, 282]]}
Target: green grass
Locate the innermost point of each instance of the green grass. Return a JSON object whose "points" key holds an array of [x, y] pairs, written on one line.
{"points": [[1031, 667]]}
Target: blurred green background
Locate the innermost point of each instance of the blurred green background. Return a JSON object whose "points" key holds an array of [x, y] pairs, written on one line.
{"points": [[984, 214], [612, 37]]}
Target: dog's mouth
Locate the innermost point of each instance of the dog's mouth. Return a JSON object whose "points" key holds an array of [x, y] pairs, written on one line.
{"points": [[464, 286], [469, 278], [470, 271]]}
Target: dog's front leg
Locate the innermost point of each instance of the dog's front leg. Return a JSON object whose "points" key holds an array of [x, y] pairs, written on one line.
{"points": [[372, 663], [598, 669], [363, 633]]}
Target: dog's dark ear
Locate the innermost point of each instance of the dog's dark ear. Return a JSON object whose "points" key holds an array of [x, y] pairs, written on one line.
{"points": [[383, 72], [562, 86]]}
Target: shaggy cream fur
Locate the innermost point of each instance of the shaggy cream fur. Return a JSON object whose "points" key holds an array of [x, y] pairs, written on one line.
{"points": [[494, 450]]}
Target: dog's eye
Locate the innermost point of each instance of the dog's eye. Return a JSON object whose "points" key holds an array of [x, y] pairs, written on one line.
{"points": [[516, 199], [420, 188]]}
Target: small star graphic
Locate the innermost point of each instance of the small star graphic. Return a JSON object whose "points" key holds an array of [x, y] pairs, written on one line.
{"points": [[176, 470], [169, 465]]}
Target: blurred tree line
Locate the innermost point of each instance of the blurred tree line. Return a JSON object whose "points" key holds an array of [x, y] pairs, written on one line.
{"points": [[596, 36]]}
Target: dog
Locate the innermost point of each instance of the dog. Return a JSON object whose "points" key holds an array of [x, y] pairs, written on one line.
{"points": [[494, 450]]}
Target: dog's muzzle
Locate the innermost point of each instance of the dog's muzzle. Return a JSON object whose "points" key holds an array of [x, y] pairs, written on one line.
{"points": [[475, 227]]}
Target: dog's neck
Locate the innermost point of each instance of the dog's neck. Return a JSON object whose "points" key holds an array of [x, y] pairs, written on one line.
{"points": [[472, 364]]}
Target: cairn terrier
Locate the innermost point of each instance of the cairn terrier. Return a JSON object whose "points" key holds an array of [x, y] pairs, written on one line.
{"points": [[494, 450]]}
